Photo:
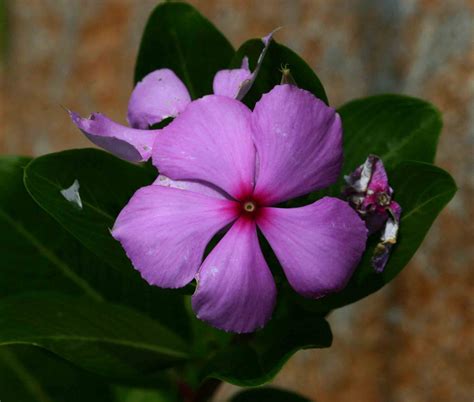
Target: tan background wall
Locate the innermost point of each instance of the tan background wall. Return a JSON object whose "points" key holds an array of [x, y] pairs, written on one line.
{"points": [[413, 340]]}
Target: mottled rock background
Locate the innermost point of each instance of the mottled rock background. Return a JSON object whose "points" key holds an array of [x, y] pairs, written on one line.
{"points": [[412, 341]]}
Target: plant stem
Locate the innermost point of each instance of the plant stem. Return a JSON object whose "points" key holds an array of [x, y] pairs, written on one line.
{"points": [[207, 390]]}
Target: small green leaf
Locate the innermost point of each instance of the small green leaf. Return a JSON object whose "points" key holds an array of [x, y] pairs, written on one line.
{"points": [[423, 190], [104, 338], [277, 56], [30, 374], [254, 359], [178, 37], [268, 394], [105, 186]]}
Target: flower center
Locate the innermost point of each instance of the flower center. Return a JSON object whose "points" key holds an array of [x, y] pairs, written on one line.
{"points": [[250, 206], [383, 199]]}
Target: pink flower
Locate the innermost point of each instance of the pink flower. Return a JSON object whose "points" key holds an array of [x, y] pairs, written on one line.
{"points": [[160, 95], [229, 166], [369, 193]]}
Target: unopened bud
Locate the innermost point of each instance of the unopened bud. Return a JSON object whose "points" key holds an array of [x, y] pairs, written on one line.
{"points": [[286, 77]]}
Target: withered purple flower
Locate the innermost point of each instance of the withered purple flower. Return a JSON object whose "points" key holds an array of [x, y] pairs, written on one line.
{"points": [[369, 193]]}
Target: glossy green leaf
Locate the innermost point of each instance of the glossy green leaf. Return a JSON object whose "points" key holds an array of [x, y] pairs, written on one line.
{"points": [[36, 252], [30, 374], [268, 394], [394, 127], [254, 359], [106, 185], [104, 338], [178, 37], [269, 75], [423, 190]]}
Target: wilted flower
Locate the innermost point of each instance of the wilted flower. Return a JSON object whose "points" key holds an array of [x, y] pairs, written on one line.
{"points": [[227, 166], [158, 96], [368, 191]]}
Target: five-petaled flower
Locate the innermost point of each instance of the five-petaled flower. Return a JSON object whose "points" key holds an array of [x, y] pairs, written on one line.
{"points": [[368, 191], [225, 166]]}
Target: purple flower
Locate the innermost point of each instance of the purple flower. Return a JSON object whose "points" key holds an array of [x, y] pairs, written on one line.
{"points": [[160, 95], [225, 166], [369, 193]]}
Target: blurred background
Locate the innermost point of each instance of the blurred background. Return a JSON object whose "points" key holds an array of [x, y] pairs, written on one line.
{"points": [[411, 341]]}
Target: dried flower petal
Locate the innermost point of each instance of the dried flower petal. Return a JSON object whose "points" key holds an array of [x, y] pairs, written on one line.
{"points": [[369, 193]]}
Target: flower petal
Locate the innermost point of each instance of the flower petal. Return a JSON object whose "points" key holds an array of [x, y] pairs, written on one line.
{"points": [[318, 245], [159, 95], [388, 238], [378, 180], [299, 144], [247, 84], [229, 82], [164, 232], [195, 186], [236, 291], [127, 143], [210, 141]]}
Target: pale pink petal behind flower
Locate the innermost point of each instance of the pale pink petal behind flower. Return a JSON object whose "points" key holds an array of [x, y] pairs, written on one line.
{"points": [[210, 141], [229, 82], [127, 143], [236, 291], [246, 85], [164, 232], [318, 245], [299, 144], [236, 83], [158, 95]]}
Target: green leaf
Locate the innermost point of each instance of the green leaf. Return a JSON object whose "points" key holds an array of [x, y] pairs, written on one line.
{"points": [[423, 190], [30, 374], [254, 359], [104, 338], [394, 127], [37, 254], [268, 394], [269, 75], [178, 37], [106, 185]]}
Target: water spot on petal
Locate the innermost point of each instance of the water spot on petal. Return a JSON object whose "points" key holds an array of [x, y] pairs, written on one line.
{"points": [[72, 195]]}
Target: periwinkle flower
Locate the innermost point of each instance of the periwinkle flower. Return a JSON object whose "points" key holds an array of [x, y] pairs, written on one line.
{"points": [[158, 96], [369, 193], [225, 166]]}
